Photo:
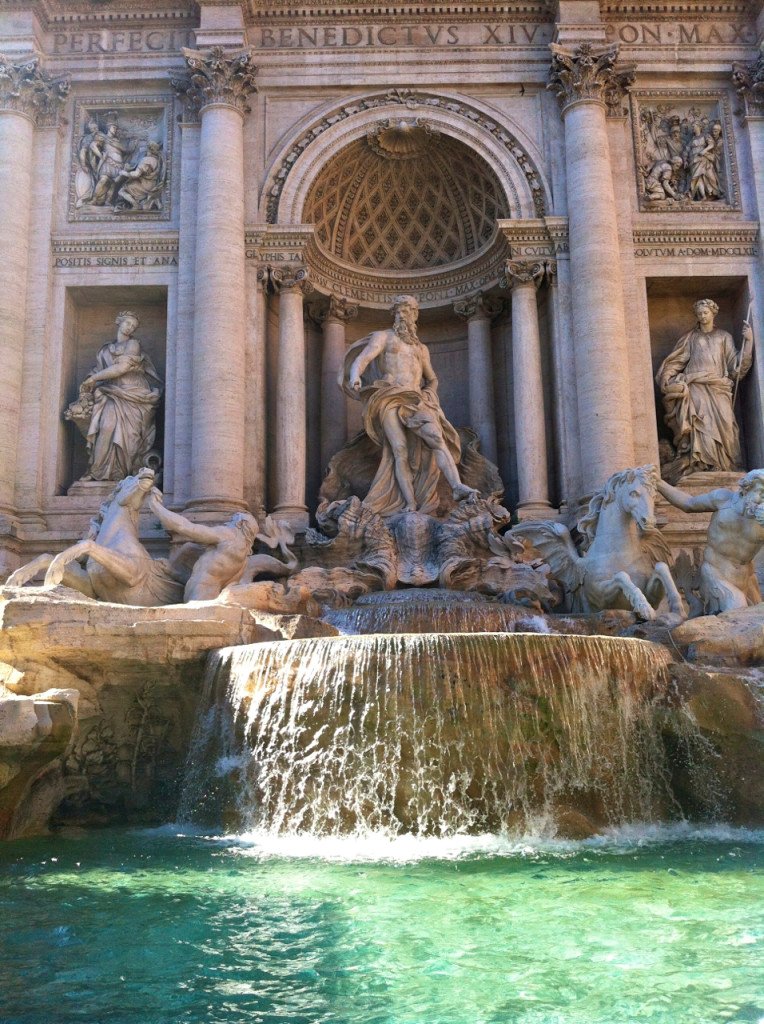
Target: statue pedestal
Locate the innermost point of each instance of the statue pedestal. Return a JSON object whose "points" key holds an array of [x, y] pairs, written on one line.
{"points": [[93, 489]]}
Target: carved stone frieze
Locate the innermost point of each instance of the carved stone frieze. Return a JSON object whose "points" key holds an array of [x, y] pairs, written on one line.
{"points": [[589, 73], [114, 253], [673, 241], [534, 239], [522, 272], [749, 82], [411, 101], [216, 77], [685, 152], [25, 87], [478, 307], [121, 155]]}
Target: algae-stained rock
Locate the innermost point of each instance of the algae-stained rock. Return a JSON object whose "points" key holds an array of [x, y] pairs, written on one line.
{"points": [[138, 673], [723, 775], [732, 638]]}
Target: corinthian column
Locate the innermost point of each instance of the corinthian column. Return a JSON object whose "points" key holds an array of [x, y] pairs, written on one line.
{"points": [[523, 278], [218, 84], [291, 410], [333, 418], [28, 97], [587, 81], [478, 311]]}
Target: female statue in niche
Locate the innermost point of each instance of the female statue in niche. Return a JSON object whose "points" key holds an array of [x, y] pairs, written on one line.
{"points": [[116, 408], [698, 382]]}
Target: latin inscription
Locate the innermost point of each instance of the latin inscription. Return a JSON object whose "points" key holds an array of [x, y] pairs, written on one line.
{"points": [[419, 36], [140, 40], [77, 262], [687, 33], [696, 250]]}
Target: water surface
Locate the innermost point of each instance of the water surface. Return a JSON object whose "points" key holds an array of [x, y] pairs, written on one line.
{"points": [[136, 927]]}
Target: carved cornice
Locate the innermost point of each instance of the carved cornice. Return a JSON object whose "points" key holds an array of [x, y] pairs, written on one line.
{"points": [[28, 90], [216, 77], [589, 74], [478, 307], [298, 10], [532, 239], [523, 272], [749, 82]]}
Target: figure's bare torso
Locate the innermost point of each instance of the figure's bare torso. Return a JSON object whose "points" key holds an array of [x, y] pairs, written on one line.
{"points": [[401, 363], [733, 538]]}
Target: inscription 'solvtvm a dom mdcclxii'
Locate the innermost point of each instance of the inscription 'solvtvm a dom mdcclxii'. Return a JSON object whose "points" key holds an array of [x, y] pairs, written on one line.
{"points": [[210, 207]]}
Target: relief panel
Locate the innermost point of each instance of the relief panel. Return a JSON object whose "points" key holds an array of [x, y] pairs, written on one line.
{"points": [[121, 155], [684, 152]]}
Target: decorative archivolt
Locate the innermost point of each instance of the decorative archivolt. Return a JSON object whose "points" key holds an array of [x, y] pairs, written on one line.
{"points": [[302, 160]]}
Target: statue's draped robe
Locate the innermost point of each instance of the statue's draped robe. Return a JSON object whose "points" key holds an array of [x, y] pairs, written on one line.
{"points": [[702, 417], [122, 428], [415, 409]]}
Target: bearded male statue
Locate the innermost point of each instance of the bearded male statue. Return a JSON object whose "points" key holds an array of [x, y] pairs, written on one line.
{"points": [[391, 373]]}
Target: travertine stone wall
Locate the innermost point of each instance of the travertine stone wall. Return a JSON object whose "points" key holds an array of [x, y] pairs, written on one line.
{"points": [[216, 220]]}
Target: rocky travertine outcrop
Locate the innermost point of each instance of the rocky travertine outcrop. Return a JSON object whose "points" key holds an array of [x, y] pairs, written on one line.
{"points": [[137, 674]]}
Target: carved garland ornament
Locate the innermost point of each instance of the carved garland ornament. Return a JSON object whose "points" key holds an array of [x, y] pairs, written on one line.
{"points": [[25, 87], [589, 74], [411, 101], [216, 77]]}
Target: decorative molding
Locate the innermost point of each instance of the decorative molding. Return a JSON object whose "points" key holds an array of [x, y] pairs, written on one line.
{"points": [[523, 272], [29, 90], [682, 108], [143, 121], [292, 277], [114, 253], [531, 239], [589, 74], [411, 100], [680, 241], [216, 77], [478, 307]]}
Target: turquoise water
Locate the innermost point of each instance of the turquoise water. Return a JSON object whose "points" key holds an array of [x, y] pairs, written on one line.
{"points": [[136, 927]]}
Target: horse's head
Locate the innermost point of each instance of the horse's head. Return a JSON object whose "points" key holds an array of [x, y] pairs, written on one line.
{"points": [[131, 492], [635, 493]]}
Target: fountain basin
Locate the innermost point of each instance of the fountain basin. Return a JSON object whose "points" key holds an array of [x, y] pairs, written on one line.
{"points": [[432, 734]]}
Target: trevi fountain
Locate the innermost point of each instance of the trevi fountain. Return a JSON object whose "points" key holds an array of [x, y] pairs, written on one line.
{"points": [[381, 512]]}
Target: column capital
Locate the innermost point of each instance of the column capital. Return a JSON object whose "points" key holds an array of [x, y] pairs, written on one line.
{"points": [[478, 307], [589, 74], [550, 272], [216, 77], [339, 311], [289, 279], [523, 272], [749, 83], [29, 90]]}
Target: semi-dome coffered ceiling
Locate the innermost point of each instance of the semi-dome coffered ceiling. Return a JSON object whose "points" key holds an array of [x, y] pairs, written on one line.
{"points": [[405, 197]]}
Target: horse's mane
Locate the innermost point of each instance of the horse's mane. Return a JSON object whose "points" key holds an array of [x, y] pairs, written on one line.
{"points": [[645, 476]]}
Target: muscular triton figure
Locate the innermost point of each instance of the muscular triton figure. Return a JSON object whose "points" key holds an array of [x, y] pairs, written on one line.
{"points": [[735, 537], [391, 373]]}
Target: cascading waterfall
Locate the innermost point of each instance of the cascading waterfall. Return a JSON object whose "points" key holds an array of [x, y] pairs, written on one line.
{"points": [[429, 734]]}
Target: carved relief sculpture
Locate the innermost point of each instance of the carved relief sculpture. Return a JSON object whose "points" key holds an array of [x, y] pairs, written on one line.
{"points": [[120, 164], [116, 407], [735, 537], [391, 373], [698, 381], [682, 155]]}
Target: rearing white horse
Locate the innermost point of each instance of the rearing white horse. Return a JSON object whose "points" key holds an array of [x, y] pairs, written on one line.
{"points": [[623, 561]]}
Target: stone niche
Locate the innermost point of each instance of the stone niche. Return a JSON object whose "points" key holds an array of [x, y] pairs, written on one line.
{"points": [[670, 301], [89, 323]]}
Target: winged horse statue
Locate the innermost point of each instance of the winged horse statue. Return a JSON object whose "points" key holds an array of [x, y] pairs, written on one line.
{"points": [[623, 559]]}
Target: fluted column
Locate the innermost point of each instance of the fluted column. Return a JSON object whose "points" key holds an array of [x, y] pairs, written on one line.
{"points": [[333, 417], [523, 278], [478, 311], [28, 96], [587, 81], [291, 411], [219, 84]]}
